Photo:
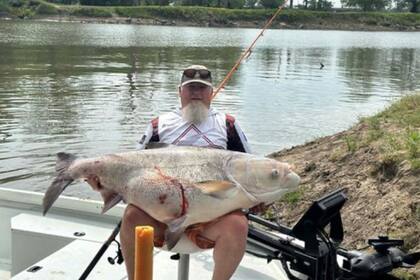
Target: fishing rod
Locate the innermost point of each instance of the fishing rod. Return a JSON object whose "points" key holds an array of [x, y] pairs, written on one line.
{"points": [[102, 251], [248, 51]]}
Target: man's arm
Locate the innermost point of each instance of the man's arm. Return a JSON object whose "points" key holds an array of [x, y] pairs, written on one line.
{"points": [[236, 139], [150, 135]]}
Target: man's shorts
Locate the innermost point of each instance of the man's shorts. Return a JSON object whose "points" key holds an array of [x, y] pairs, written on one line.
{"points": [[194, 233]]}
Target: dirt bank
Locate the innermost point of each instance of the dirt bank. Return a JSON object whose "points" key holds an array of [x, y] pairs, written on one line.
{"points": [[378, 167]]}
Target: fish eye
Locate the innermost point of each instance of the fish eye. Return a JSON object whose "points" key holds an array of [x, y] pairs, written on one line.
{"points": [[274, 173]]}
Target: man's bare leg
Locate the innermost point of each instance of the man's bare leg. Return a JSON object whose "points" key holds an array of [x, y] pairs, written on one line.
{"points": [[133, 217], [230, 234]]}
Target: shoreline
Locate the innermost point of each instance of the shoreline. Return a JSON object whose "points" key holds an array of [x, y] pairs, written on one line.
{"points": [[211, 20], [232, 24]]}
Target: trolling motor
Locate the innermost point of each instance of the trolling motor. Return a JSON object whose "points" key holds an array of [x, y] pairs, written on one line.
{"points": [[306, 251], [385, 258]]}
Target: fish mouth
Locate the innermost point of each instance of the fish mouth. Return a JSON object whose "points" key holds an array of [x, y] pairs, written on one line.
{"points": [[291, 182]]}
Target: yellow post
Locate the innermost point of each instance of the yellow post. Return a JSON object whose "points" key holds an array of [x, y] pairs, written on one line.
{"points": [[143, 260]]}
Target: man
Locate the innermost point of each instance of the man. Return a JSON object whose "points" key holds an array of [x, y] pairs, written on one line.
{"points": [[196, 124]]}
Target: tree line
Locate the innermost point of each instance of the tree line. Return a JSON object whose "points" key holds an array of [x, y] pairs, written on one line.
{"points": [[365, 5]]}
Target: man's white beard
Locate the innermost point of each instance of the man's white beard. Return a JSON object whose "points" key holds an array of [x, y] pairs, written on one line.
{"points": [[195, 112]]}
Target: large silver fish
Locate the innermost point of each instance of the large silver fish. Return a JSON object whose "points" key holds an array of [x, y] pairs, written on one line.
{"points": [[179, 186]]}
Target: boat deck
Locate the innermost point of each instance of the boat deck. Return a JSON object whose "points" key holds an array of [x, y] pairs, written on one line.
{"points": [[32, 239], [50, 244], [4, 271], [70, 262]]}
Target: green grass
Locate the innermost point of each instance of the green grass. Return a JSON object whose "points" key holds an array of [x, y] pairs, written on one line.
{"points": [[405, 112], [351, 143], [218, 15], [404, 275], [415, 163], [396, 131], [375, 131], [413, 143], [46, 9], [294, 196], [195, 14], [84, 11], [222, 15], [382, 18], [27, 8]]}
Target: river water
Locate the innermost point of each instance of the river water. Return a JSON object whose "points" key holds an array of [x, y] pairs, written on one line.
{"points": [[92, 88]]}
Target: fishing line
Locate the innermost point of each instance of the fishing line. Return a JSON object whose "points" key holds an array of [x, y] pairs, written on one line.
{"points": [[248, 51]]}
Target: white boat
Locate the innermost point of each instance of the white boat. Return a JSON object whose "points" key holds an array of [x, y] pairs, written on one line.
{"points": [[61, 245]]}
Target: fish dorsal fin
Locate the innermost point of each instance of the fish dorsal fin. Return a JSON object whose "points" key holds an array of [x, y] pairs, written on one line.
{"points": [[110, 199], [218, 189], [156, 145]]}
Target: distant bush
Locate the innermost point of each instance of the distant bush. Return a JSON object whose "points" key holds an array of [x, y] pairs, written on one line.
{"points": [[271, 4], [205, 15], [195, 14], [16, 3], [4, 7], [109, 2], [46, 9], [380, 18], [91, 12], [223, 15], [65, 2]]}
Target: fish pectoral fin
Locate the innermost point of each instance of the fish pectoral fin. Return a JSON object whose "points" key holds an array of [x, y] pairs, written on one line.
{"points": [[110, 199], [218, 189], [174, 232]]}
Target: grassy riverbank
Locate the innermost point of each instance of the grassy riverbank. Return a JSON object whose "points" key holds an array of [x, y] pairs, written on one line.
{"points": [[204, 16], [377, 162]]}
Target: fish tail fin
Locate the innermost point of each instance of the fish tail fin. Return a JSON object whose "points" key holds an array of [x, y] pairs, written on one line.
{"points": [[64, 160], [60, 183]]}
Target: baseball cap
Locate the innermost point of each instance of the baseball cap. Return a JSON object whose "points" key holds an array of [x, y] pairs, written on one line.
{"points": [[196, 74]]}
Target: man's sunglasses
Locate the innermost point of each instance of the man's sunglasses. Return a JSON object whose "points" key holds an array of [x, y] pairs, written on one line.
{"points": [[203, 73]]}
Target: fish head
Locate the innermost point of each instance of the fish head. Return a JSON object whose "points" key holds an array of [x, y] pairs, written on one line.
{"points": [[263, 179]]}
